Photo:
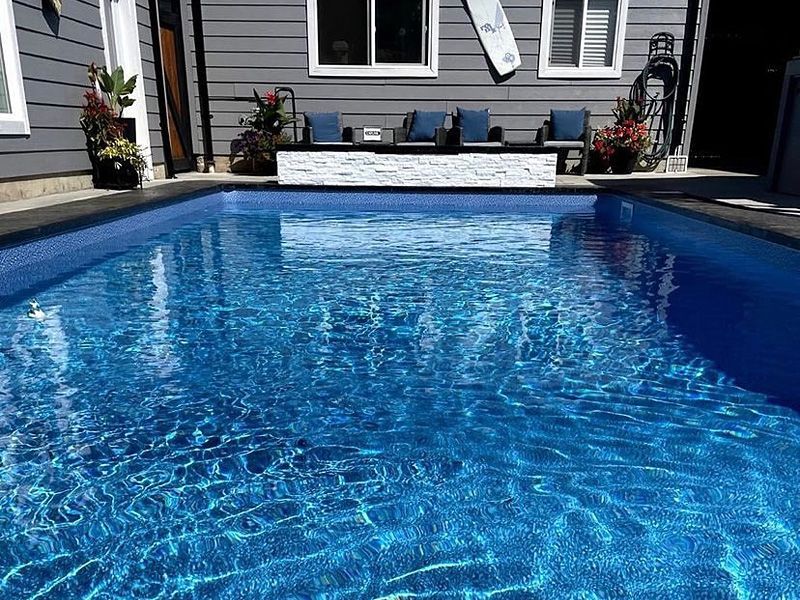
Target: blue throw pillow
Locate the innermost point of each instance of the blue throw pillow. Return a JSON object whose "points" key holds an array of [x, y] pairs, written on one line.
{"points": [[474, 124], [424, 124], [327, 126], [566, 125]]}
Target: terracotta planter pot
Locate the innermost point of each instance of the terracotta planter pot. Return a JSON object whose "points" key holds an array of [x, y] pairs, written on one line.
{"points": [[624, 162]]}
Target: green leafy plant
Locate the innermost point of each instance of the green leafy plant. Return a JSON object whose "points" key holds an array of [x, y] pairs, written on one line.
{"points": [[121, 150], [628, 110], [114, 85]]}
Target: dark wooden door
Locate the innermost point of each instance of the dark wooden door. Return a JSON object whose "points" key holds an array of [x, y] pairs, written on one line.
{"points": [[178, 122], [746, 49]]}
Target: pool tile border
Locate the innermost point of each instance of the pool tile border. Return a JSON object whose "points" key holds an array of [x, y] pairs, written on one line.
{"points": [[23, 226]]}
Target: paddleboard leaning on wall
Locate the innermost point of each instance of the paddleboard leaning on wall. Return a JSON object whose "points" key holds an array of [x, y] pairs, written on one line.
{"points": [[495, 34]]}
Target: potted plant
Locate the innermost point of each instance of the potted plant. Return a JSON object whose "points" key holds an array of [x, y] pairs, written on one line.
{"points": [[100, 128], [114, 164], [628, 139], [264, 131], [601, 152], [618, 146], [121, 164]]}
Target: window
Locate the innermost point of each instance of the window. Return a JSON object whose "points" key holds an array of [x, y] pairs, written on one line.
{"points": [[582, 38], [13, 113], [373, 38]]}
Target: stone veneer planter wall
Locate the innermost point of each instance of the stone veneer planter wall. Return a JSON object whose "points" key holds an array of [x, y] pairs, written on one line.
{"points": [[490, 170]]}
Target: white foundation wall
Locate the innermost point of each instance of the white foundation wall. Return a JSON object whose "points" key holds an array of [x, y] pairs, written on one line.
{"points": [[490, 170]]}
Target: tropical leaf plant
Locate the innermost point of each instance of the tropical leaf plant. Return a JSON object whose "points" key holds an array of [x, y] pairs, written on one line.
{"points": [[116, 88], [264, 127]]}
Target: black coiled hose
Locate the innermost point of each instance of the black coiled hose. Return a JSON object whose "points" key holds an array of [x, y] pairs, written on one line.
{"points": [[659, 106]]}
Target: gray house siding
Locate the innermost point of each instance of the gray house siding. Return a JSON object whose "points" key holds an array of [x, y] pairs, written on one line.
{"points": [[262, 43], [54, 54], [54, 76]]}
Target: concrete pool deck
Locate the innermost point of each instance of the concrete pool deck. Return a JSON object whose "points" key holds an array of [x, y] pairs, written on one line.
{"points": [[735, 201]]}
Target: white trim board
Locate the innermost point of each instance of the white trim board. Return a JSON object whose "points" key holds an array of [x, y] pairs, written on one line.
{"points": [[121, 47], [16, 122], [430, 69], [564, 72]]}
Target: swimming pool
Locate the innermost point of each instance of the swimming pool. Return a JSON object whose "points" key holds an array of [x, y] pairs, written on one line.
{"points": [[313, 395]]}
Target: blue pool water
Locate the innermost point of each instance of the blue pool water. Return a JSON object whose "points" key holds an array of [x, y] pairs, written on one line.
{"points": [[325, 396]]}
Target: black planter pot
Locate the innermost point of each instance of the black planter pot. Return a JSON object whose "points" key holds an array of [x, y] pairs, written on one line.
{"points": [[117, 175], [265, 167], [128, 129], [597, 165], [623, 162]]}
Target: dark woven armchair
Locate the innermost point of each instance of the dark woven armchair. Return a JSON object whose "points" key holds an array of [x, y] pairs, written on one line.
{"points": [[581, 143], [308, 134], [401, 134], [496, 135]]}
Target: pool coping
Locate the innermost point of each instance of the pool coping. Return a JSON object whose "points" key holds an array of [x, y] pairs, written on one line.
{"points": [[27, 225]]}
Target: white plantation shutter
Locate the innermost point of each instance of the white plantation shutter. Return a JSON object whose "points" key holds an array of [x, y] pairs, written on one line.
{"points": [[599, 34], [583, 33], [566, 36]]}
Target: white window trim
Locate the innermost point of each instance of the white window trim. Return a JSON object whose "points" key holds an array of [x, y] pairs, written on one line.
{"points": [[563, 72], [16, 122], [431, 69]]}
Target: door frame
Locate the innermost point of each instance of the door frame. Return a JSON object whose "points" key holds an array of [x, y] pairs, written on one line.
{"points": [[185, 130], [120, 30], [791, 88], [161, 91]]}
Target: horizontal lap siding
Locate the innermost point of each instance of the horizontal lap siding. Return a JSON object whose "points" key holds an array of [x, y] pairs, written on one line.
{"points": [[53, 64], [262, 43]]}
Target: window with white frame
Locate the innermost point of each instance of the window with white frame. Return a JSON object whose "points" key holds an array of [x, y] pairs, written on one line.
{"points": [[13, 112], [583, 38], [373, 38]]}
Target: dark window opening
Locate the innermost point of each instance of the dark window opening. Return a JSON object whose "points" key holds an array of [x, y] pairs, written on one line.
{"points": [[343, 32], [400, 35]]}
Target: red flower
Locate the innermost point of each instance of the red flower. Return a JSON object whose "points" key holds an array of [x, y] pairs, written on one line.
{"points": [[270, 97]]}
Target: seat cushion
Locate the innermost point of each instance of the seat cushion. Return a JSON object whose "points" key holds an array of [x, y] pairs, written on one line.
{"points": [[327, 126], [566, 125], [564, 144], [474, 124], [424, 124]]}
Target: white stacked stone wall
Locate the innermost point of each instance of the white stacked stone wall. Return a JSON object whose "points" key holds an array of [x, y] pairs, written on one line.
{"points": [[479, 170]]}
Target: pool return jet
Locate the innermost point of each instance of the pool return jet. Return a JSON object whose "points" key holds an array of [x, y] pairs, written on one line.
{"points": [[495, 34]]}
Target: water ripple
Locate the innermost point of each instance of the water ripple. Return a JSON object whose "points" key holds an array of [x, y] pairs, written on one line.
{"points": [[380, 405]]}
